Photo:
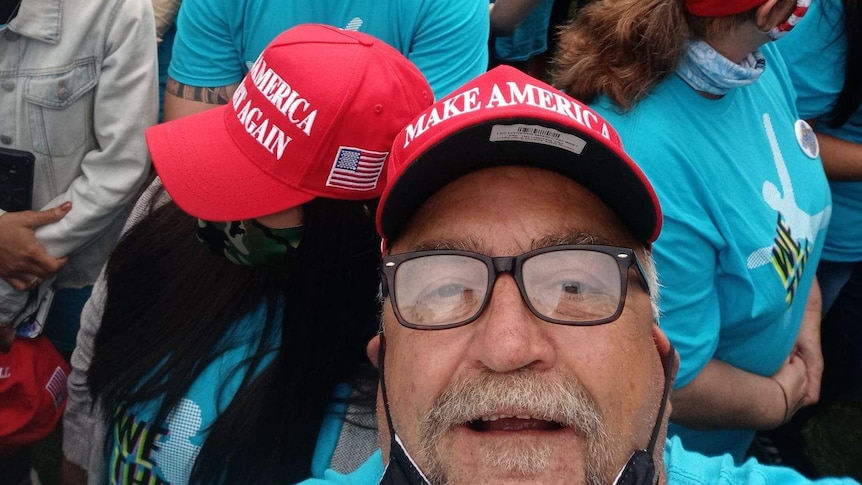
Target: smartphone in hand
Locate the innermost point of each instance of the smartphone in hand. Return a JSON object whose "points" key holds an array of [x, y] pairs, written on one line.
{"points": [[16, 180]]}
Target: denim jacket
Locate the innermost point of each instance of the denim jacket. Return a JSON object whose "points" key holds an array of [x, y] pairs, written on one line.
{"points": [[78, 86]]}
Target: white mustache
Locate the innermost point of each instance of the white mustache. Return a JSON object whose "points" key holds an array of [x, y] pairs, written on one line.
{"points": [[530, 393]]}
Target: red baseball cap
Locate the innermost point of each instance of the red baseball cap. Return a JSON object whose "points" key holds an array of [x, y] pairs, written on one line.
{"points": [[32, 391], [505, 117], [314, 117], [720, 8]]}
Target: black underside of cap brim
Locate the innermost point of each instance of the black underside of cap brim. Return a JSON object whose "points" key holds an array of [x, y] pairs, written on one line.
{"points": [[597, 168]]}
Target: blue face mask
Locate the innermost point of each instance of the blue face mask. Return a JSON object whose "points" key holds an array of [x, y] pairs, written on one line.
{"points": [[639, 469], [704, 69]]}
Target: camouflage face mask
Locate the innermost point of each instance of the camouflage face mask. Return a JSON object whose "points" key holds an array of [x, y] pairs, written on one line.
{"points": [[249, 243]]}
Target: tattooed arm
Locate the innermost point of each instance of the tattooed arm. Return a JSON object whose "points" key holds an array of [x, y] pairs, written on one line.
{"points": [[183, 100]]}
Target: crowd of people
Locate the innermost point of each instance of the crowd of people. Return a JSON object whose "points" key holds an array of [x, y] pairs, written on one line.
{"points": [[337, 242]]}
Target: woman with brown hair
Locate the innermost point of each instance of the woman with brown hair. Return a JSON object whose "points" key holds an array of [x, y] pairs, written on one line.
{"points": [[704, 103]]}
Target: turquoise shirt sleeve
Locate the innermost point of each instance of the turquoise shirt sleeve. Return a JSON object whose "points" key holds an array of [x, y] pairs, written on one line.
{"points": [[688, 468], [205, 53], [330, 429], [446, 39], [450, 45], [820, 36], [369, 473], [530, 37], [686, 255]]}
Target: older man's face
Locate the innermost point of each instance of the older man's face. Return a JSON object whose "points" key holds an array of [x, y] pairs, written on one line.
{"points": [[510, 398]]}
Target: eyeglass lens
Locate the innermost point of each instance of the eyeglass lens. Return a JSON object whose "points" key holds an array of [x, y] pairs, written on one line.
{"points": [[573, 286], [440, 289], [566, 285]]}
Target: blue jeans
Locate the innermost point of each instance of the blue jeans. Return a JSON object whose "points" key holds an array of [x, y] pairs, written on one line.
{"points": [[841, 289], [833, 276], [64, 318]]}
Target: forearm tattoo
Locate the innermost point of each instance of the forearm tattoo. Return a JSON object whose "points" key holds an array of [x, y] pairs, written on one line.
{"points": [[216, 95]]}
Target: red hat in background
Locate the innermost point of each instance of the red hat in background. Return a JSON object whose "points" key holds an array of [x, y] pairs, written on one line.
{"points": [[32, 392], [505, 117], [719, 8], [314, 117]]}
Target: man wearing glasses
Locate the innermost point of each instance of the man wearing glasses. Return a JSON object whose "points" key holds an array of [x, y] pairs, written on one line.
{"points": [[519, 341]]}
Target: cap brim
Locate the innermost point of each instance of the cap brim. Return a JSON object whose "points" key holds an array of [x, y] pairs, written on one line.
{"points": [[608, 173], [209, 177]]}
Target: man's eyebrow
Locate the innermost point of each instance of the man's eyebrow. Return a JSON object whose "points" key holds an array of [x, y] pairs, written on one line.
{"points": [[572, 237], [447, 244]]}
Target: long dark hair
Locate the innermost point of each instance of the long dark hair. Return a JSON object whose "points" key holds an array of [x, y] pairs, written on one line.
{"points": [[171, 301], [850, 98]]}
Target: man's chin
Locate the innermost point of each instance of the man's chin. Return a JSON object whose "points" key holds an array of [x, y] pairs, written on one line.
{"points": [[468, 456]]}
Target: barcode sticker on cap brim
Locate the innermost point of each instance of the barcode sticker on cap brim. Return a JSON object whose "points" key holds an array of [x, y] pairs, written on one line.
{"points": [[538, 134]]}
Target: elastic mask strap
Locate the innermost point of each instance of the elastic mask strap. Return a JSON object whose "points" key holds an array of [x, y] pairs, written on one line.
{"points": [[381, 359], [784, 27], [401, 469], [640, 468], [668, 378]]}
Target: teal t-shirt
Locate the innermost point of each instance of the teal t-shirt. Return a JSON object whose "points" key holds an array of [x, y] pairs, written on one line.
{"points": [[218, 39], [369, 473], [745, 212], [821, 36], [142, 453], [689, 468], [530, 38]]}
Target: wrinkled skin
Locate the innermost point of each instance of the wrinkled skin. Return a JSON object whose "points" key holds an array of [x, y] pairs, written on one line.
{"points": [[507, 211]]}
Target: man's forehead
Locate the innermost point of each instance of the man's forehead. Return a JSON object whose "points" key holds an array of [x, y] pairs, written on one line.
{"points": [[483, 246], [511, 209]]}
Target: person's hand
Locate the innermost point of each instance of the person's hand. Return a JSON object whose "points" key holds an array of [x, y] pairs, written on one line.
{"points": [[808, 349], [792, 378], [808, 346], [73, 474], [7, 338], [24, 263]]}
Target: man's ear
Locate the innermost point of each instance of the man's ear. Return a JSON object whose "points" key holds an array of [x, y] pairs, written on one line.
{"points": [[768, 15], [372, 350], [663, 345]]}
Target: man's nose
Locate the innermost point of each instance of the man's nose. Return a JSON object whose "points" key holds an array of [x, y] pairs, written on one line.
{"points": [[509, 337]]}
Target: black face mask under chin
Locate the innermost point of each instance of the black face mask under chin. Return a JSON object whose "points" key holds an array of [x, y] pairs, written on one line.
{"points": [[401, 470], [639, 469]]}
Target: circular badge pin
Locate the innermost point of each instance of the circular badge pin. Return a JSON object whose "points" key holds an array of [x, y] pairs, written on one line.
{"points": [[807, 139]]}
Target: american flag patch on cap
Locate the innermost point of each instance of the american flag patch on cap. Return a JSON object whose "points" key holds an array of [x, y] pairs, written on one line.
{"points": [[356, 169], [56, 387]]}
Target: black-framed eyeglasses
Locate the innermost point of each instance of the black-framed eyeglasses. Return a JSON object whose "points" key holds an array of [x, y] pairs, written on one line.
{"points": [[566, 284]]}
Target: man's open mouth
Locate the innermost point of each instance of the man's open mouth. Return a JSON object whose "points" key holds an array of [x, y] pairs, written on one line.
{"points": [[505, 422]]}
